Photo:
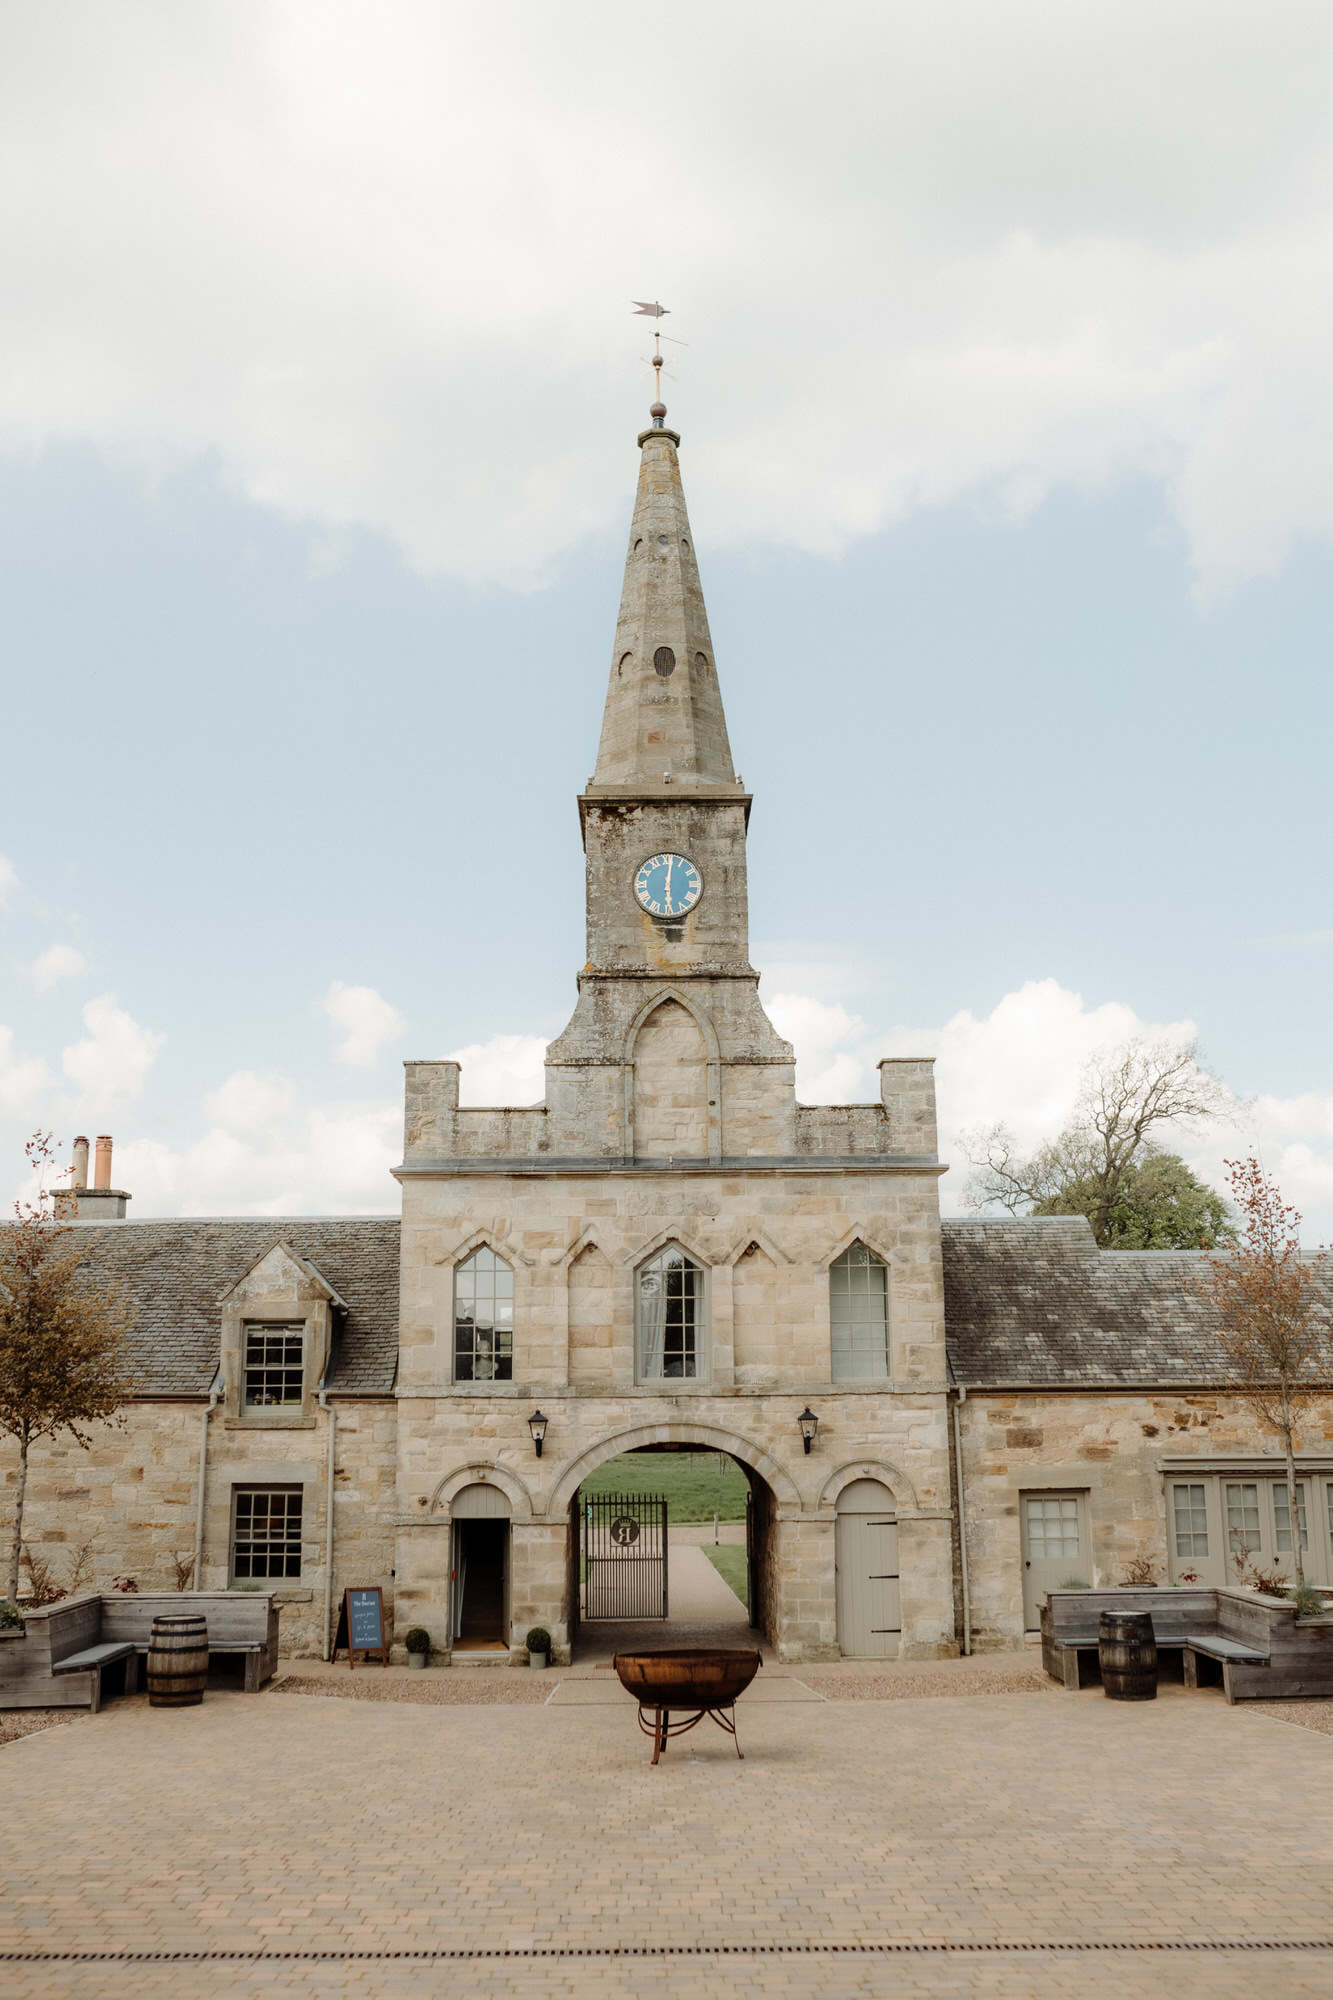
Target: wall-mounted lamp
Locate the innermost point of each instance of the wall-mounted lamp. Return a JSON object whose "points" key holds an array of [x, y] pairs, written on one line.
{"points": [[537, 1425], [809, 1424]]}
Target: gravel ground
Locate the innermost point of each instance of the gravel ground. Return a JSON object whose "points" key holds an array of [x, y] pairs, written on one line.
{"points": [[1305, 1714], [475, 1687], [927, 1686], [27, 1721], [469, 1686]]}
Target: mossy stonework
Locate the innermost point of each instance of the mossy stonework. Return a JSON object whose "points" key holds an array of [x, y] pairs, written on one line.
{"points": [[669, 1250]]}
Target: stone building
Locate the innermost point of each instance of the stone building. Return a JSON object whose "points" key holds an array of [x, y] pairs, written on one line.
{"points": [[936, 1421]]}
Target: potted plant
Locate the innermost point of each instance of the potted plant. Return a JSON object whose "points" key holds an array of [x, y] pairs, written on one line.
{"points": [[417, 1643], [539, 1646]]}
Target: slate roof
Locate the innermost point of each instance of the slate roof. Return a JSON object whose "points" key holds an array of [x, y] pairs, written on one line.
{"points": [[1033, 1301], [174, 1273]]}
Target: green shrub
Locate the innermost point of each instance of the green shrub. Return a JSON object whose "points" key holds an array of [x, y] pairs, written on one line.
{"points": [[418, 1640], [1073, 1583], [10, 1615], [1308, 1599], [538, 1640]]}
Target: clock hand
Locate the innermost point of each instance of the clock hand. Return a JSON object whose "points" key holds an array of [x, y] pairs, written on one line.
{"points": [[666, 893]]}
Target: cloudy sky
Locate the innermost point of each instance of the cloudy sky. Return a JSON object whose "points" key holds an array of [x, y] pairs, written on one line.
{"points": [[1008, 440]]}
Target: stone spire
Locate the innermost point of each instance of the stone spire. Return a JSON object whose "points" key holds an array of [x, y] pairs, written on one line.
{"points": [[663, 717]]}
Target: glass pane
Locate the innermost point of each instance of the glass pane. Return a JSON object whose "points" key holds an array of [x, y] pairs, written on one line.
{"points": [[484, 1319], [1052, 1526], [1191, 1521], [670, 1303], [1282, 1517], [859, 1316], [267, 1538], [274, 1365], [1243, 1518]]}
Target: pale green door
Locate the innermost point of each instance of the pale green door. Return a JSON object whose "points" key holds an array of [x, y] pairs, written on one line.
{"points": [[1055, 1549], [866, 1557]]}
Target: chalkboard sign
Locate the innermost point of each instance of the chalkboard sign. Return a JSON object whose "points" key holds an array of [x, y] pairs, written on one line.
{"points": [[361, 1626]]}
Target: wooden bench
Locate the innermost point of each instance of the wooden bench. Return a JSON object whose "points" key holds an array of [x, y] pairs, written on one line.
{"points": [[1229, 1652], [252, 1649], [65, 1648]]}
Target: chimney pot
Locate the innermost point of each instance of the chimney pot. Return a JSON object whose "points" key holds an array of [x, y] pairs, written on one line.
{"points": [[80, 1170], [102, 1161]]}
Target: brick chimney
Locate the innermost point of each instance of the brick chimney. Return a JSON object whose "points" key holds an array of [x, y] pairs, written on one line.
{"points": [[100, 1202]]}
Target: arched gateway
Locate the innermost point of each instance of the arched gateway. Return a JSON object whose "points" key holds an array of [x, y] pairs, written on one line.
{"points": [[669, 1250]]}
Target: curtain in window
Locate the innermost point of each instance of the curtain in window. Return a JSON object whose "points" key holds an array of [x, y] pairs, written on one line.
{"points": [[652, 1321]]}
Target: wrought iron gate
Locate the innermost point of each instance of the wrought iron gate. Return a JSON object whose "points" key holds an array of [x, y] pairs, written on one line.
{"points": [[624, 1538]]}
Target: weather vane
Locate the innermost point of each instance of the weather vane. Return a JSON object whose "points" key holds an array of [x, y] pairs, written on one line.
{"points": [[652, 310]]}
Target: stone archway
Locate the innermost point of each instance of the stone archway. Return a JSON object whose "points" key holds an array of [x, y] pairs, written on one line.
{"points": [[742, 1573]]}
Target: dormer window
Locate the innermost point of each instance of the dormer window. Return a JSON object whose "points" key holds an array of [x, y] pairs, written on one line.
{"points": [[484, 1319], [274, 1365]]}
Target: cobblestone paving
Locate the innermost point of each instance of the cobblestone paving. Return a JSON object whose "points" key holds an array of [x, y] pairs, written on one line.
{"points": [[303, 1824]]}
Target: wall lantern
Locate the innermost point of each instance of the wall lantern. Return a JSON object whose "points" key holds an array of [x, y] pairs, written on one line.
{"points": [[537, 1425], [809, 1423]]}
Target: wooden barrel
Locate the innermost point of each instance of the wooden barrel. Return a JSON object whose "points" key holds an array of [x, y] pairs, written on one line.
{"points": [[178, 1660], [1127, 1655]]}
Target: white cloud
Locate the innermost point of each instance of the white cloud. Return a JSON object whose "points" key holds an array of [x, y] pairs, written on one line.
{"points": [[9, 880], [57, 962], [508, 1069], [110, 1068], [919, 251], [366, 1021], [1020, 1064], [270, 1150], [24, 1080]]}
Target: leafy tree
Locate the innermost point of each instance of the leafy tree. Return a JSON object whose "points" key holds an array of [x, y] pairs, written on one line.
{"points": [[1161, 1205], [63, 1357], [1272, 1316], [1125, 1093]]}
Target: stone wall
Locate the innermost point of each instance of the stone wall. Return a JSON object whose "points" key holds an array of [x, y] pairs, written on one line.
{"points": [[130, 1500], [1110, 1445]]}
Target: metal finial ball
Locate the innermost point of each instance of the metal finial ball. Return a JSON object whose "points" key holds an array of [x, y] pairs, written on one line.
{"points": [[657, 410]]}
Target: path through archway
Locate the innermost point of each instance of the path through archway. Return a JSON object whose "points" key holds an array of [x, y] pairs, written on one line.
{"points": [[717, 1575]]}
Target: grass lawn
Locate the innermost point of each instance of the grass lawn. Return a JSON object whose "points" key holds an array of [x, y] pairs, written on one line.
{"points": [[729, 1562], [697, 1484]]}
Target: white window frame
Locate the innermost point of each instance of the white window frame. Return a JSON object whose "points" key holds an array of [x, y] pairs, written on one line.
{"points": [[703, 1302], [844, 1373]]}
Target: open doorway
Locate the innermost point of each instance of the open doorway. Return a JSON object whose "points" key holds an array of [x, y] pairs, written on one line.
{"points": [[480, 1570], [711, 1586]]}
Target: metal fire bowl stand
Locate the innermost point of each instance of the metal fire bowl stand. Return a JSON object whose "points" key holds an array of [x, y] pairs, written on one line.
{"points": [[693, 1681]]}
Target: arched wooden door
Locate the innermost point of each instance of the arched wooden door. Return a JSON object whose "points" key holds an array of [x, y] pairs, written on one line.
{"points": [[866, 1557]]}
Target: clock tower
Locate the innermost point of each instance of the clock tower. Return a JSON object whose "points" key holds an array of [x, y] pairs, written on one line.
{"points": [[668, 999]]}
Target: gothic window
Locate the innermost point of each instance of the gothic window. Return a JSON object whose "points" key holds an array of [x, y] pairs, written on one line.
{"points": [[266, 1533], [484, 1319], [670, 1317], [859, 1316], [274, 1365]]}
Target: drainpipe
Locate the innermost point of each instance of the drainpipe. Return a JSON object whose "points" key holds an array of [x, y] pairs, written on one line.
{"points": [[332, 1416], [962, 1520], [213, 1396]]}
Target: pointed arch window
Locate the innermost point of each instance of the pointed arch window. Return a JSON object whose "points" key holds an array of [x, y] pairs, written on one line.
{"points": [[859, 1316], [670, 1317], [484, 1319]]}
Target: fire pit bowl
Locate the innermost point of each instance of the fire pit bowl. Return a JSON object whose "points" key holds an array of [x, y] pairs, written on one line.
{"points": [[694, 1681]]}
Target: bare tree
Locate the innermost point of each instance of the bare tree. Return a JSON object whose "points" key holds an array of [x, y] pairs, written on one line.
{"points": [[1272, 1317], [1125, 1095], [63, 1358]]}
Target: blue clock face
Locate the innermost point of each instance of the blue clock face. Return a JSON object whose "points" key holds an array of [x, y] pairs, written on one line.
{"points": [[667, 885]]}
